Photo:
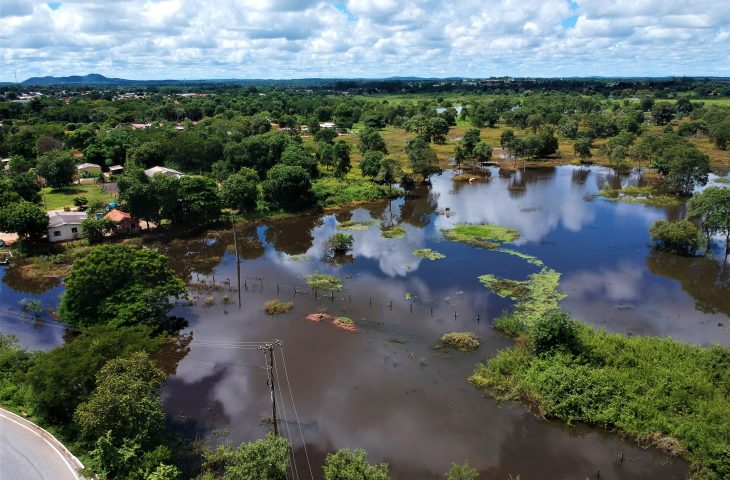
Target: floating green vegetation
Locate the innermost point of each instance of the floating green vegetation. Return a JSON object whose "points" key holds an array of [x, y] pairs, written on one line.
{"points": [[275, 307], [722, 180], [428, 254], [322, 281], [646, 195], [299, 258], [534, 297], [462, 341], [395, 231], [352, 225], [485, 236], [661, 392], [529, 258], [345, 323]]}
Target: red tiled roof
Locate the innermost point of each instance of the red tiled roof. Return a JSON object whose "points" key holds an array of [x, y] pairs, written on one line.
{"points": [[117, 216]]}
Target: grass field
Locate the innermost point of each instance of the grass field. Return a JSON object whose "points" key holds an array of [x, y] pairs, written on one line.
{"points": [[56, 199]]}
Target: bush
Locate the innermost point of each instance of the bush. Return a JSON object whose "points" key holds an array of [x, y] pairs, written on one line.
{"points": [[340, 243], [462, 341], [554, 331], [680, 237], [275, 307], [348, 465]]}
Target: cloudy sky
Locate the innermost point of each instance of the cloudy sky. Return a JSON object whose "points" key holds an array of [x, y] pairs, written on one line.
{"points": [[189, 39]]}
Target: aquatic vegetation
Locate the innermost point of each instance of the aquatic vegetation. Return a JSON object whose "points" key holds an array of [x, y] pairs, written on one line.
{"points": [[661, 392], [396, 231], [534, 297], [345, 323], [485, 236], [646, 195], [322, 281], [299, 258], [428, 254], [353, 225], [462, 341], [529, 258], [276, 307], [209, 301]]}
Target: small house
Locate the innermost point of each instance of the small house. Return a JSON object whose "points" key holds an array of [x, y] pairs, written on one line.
{"points": [[63, 226], [116, 169], [123, 221], [327, 125], [151, 172], [5, 164], [88, 170]]}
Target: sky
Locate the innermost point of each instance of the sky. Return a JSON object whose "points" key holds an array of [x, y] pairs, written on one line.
{"points": [[200, 39]]}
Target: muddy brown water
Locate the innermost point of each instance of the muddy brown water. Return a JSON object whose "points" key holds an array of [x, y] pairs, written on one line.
{"points": [[385, 388]]}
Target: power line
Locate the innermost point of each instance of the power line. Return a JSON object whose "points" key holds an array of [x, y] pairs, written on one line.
{"points": [[296, 415], [294, 468]]}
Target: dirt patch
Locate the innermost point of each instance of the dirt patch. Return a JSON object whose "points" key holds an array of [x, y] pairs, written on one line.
{"points": [[318, 317]]}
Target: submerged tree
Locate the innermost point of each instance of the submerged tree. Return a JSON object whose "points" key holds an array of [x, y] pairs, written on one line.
{"points": [[712, 209]]}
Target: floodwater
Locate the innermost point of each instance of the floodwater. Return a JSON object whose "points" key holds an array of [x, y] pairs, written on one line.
{"points": [[385, 388]]}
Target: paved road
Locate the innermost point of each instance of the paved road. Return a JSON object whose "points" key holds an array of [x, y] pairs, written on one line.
{"points": [[29, 453]]}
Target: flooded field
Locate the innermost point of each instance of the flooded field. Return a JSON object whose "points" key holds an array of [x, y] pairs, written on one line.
{"points": [[385, 388]]}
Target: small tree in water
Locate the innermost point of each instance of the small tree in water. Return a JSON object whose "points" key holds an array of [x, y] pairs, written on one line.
{"points": [[462, 472], [348, 465]]}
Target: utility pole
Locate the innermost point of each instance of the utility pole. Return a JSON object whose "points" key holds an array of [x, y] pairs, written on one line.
{"points": [[268, 350]]}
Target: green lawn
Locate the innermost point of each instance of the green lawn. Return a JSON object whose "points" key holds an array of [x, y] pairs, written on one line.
{"points": [[64, 197]]}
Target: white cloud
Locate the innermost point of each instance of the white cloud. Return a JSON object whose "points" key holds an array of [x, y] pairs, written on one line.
{"points": [[363, 38]]}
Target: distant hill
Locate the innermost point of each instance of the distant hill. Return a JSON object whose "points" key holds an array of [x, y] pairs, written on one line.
{"points": [[91, 79]]}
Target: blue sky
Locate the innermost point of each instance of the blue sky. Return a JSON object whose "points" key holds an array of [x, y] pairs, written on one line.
{"points": [[153, 39]]}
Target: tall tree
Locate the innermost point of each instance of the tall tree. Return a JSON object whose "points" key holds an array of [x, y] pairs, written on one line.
{"points": [[57, 167], [422, 158], [712, 208]]}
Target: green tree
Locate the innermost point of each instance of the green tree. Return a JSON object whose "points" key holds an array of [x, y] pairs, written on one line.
{"points": [[240, 190], [422, 158], [371, 140], [582, 147], [683, 166], [57, 167], [267, 458], [712, 208], [294, 154], [95, 229], [462, 472], [662, 113], [26, 219], [344, 116], [326, 135], [342, 159], [370, 163], [470, 140], [720, 134], [390, 170], [287, 187], [680, 237], [105, 283], [126, 401], [351, 465], [198, 201], [483, 152], [62, 378], [25, 184]]}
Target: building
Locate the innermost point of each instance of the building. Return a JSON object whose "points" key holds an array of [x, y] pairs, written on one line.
{"points": [[88, 170], [327, 125], [151, 172], [63, 226], [123, 222], [5, 164], [116, 169]]}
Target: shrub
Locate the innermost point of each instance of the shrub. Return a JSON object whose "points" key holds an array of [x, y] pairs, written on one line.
{"points": [[680, 237], [275, 307], [554, 331], [462, 341], [340, 243]]}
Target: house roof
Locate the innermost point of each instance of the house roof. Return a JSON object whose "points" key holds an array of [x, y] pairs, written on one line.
{"points": [[81, 166], [117, 216], [115, 168], [58, 219], [150, 172]]}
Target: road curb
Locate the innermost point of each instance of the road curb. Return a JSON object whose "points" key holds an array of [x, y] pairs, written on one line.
{"points": [[69, 457]]}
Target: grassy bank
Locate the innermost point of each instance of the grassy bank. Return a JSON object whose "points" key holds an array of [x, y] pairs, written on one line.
{"points": [[659, 391], [59, 198]]}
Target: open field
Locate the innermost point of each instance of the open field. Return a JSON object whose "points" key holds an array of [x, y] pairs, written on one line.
{"points": [[56, 199]]}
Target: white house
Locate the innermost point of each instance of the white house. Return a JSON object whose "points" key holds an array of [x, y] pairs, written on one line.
{"points": [[327, 125], [5, 164], [64, 226], [150, 172]]}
